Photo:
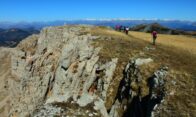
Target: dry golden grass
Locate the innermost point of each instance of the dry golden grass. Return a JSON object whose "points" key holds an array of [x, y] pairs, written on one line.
{"points": [[5, 74], [104, 31], [177, 52], [179, 41]]}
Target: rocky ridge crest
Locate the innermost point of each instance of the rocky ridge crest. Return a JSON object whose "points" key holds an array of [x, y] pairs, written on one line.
{"points": [[59, 73]]}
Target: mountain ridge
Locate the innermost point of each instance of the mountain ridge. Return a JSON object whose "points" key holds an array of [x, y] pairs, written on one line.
{"points": [[176, 24], [95, 71], [11, 37], [148, 28]]}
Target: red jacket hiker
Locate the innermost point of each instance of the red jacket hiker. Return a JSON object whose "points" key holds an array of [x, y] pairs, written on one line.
{"points": [[154, 35]]}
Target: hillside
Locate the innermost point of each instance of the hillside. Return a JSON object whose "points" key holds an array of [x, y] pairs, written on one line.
{"points": [[11, 37], [89, 71], [161, 29], [183, 42]]}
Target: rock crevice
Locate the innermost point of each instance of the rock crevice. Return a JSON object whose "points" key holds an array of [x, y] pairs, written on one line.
{"points": [[60, 74]]}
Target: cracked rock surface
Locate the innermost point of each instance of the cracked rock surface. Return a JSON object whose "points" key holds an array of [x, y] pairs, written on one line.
{"points": [[60, 73]]}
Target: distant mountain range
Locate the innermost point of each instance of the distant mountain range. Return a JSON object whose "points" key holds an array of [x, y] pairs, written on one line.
{"points": [[12, 33], [11, 37], [174, 24]]}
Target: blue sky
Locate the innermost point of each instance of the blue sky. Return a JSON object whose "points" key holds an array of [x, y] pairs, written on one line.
{"points": [[49, 10]]}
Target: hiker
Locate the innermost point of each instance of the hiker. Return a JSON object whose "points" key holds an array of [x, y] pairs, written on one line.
{"points": [[120, 28], [127, 30], [117, 27], [154, 36], [124, 29]]}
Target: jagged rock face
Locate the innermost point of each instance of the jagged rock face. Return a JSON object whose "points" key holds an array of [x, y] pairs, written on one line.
{"points": [[131, 101], [59, 73], [62, 66]]}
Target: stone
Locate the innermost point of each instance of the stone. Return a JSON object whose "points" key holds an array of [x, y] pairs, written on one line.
{"points": [[99, 105], [61, 66], [90, 115], [85, 99], [141, 61]]}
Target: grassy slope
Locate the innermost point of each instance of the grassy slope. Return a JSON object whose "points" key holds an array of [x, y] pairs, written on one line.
{"points": [[4, 76], [179, 41], [178, 55]]}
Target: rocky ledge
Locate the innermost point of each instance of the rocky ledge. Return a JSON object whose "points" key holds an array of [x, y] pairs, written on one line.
{"points": [[60, 73]]}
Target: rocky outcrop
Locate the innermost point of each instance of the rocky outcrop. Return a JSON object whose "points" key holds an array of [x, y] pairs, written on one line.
{"points": [[130, 100], [62, 67], [59, 73]]}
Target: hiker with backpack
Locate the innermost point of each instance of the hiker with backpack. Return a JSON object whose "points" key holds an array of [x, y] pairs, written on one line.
{"points": [[120, 28], [124, 29], [127, 30], [117, 27], [154, 37]]}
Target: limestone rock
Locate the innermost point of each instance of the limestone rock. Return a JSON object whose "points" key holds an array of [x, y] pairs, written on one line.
{"points": [[60, 73], [141, 61], [61, 65]]}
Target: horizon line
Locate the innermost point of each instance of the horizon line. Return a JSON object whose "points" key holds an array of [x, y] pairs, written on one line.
{"points": [[100, 19]]}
